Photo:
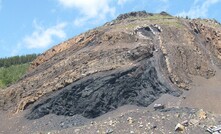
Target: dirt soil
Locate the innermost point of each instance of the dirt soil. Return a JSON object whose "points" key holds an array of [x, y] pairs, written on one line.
{"points": [[205, 93]]}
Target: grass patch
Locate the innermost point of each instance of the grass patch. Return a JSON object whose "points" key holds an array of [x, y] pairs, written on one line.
{"points": [[171, 23], [9, 75], [128, 26], [157, 17]]}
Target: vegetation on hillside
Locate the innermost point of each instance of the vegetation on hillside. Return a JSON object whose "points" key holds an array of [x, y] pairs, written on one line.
{"points": [[16, 60], [9, 75], [13, 68]]}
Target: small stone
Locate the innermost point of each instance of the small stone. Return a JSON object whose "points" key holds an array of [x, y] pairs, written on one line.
{"points": [[194, 122], [177, 115], [132, 132], [154, 127], [111, 122], [76, 130], [140, 126], [179, 127], [201, 114], [163, 117], [185, 123], [62, 124], [130, 120], [109, 131], [158, 106]]}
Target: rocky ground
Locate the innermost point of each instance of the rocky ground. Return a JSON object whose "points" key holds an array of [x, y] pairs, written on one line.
{"points": [[108, 79], [127, 119], [142, 121]]}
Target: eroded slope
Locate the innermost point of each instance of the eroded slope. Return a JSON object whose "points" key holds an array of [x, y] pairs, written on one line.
{"points": [[131, 60]]}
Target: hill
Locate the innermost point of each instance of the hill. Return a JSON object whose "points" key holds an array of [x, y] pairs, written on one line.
{"points": [[137, 59]]}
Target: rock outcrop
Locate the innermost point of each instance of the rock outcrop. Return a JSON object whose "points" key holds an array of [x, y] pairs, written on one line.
{"points": [[131, 60]]}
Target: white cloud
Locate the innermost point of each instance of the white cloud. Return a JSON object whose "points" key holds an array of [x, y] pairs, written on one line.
{"points": [[89, 9], [43, 37], [121, 2], [199, 10]]}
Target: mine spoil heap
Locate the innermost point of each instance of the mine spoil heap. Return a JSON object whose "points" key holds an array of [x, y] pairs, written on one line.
{"points": [[133, 60]]}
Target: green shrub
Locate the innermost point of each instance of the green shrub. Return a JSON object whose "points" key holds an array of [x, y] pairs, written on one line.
{"points": [[9, 75]]}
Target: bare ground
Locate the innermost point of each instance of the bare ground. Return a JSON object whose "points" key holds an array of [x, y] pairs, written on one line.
{"points": [[205, 94]]}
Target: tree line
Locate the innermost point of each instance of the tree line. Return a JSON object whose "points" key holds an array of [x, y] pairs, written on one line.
{"points": [[16, 60]]}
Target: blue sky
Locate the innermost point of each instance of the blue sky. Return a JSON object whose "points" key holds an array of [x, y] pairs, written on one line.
{"points": [[33, 26]]}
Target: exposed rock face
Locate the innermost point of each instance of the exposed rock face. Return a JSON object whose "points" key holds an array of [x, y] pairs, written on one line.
{"points": [[81, 40], [133, 60], [134, 14], [97, 95]]}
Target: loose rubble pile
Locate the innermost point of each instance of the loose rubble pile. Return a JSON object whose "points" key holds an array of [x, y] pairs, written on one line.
{"points": [[172, 120]]}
